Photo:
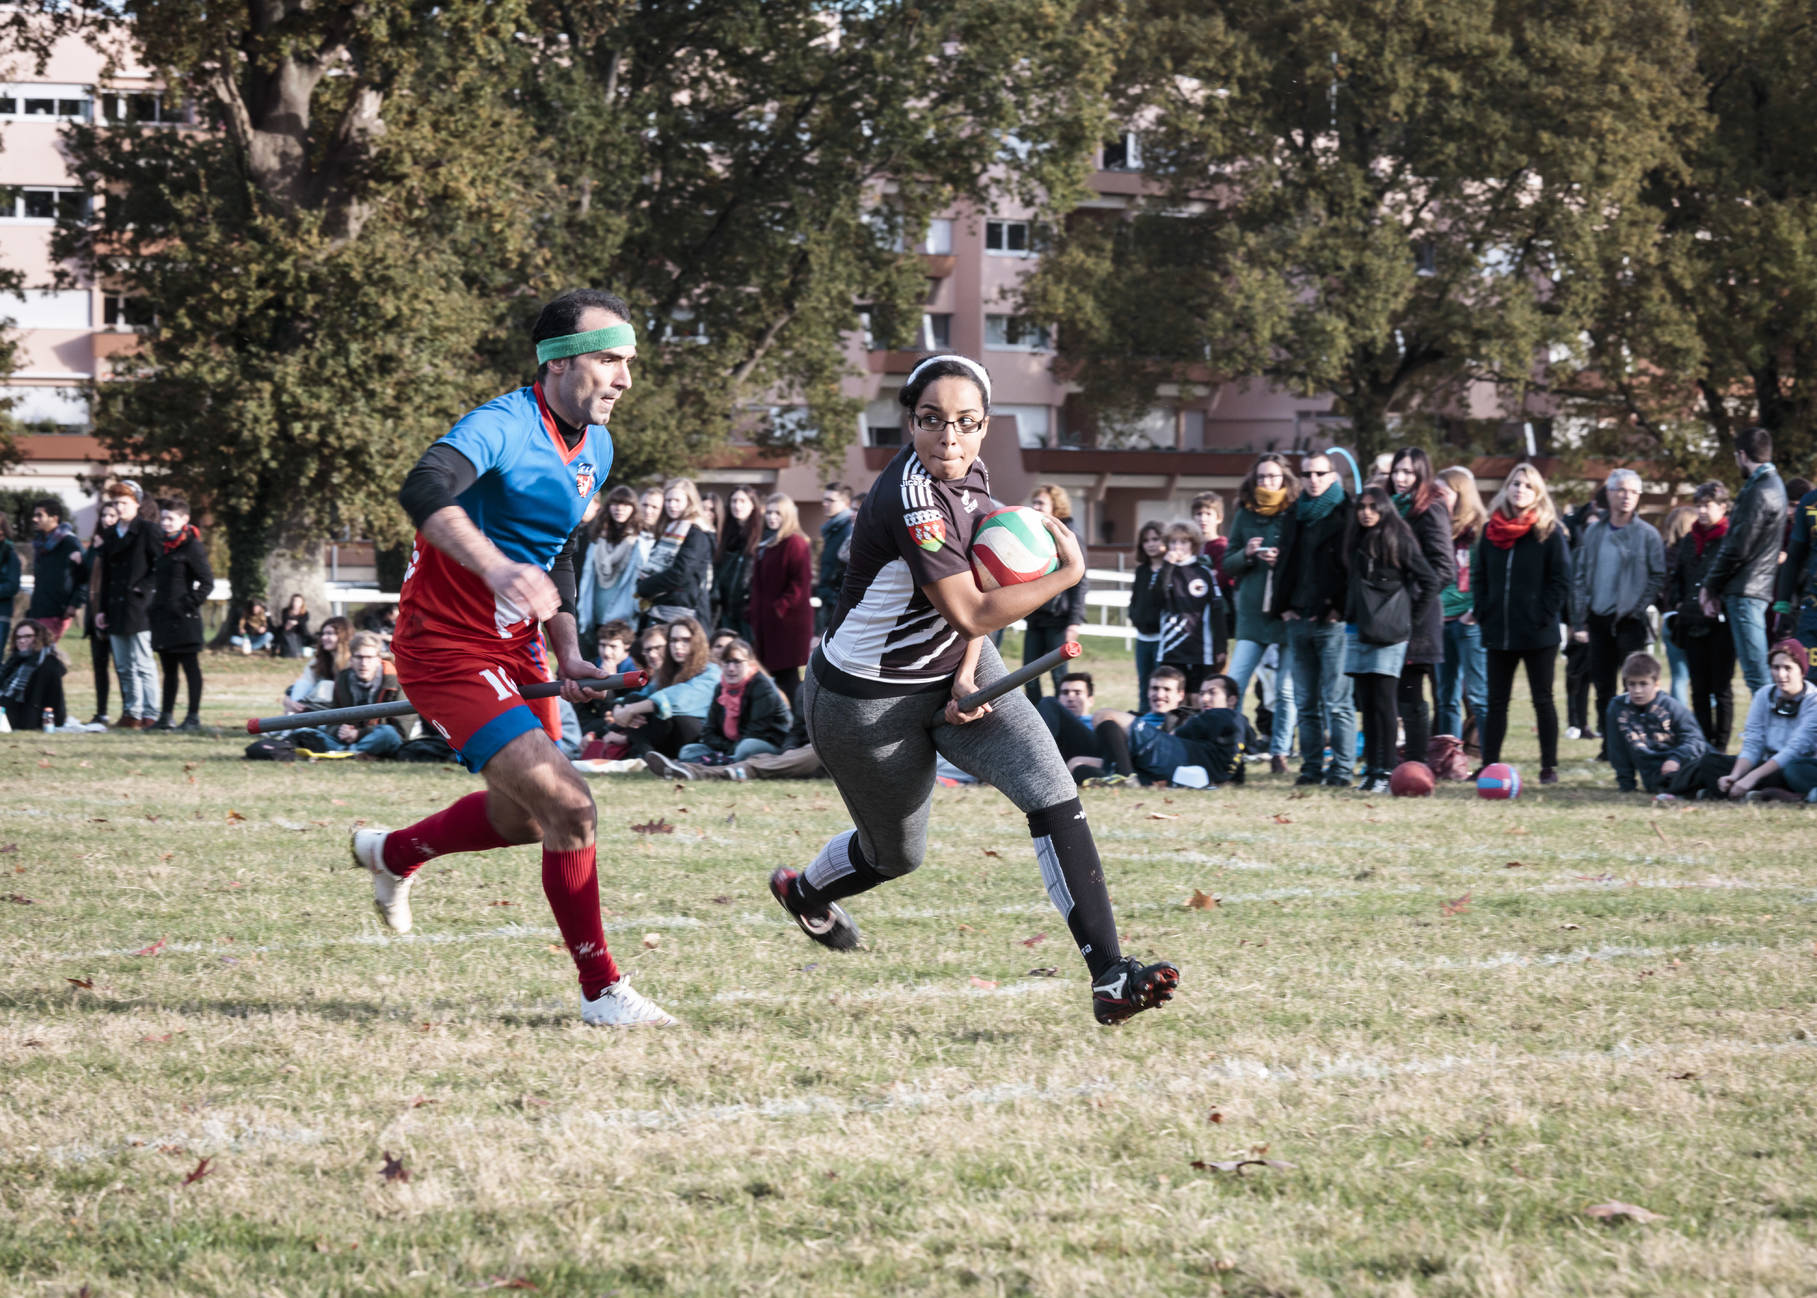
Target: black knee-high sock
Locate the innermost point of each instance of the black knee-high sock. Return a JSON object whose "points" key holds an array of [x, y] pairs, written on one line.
{"points": [[1075, 881], [839, 871]]}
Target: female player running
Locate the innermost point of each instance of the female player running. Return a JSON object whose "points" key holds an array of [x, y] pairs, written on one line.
{"points": [[910, 636]]}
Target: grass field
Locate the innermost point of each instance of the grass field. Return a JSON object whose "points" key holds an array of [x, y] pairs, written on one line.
{"points": [[1454, 1026]]}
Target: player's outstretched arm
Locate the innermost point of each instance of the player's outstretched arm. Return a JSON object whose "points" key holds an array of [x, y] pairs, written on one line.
{"points": [[973, 612]]}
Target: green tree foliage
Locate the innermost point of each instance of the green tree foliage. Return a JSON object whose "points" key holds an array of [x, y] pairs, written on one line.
{"points": [[1380, 199], [1707, 315], [747, 172]]}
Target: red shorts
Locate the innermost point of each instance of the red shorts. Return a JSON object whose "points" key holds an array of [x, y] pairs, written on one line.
{"points": [[471, 694]]}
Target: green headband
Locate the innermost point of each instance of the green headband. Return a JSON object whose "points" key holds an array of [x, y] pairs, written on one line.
{"points": [[555, 349]]}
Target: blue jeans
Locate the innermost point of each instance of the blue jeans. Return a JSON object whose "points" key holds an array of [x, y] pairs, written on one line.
{"points": [[1681, 672], [742, 749], [1463, 676], [380, 741], [138, 676], [1245, 657], [1158, 754], [1148, 653], [1800, 774], [1748, 624], [1322, 696]]}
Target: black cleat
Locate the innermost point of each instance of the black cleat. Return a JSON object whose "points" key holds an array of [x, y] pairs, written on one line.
{"points": [[830, 925], [1129, 987]]}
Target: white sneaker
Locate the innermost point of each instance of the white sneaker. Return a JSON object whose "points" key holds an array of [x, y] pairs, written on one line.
{"points": [[1572, 732], [622, 1006], [390, 894]]}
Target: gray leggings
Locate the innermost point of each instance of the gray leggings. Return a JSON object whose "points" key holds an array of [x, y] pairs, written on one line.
{"points": [[880, 752]]}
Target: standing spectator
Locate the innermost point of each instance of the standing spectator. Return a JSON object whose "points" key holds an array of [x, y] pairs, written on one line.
{"points": [[181, 586], [835, 531], [293, 628], [1673, 528], [674, 580], [100, 652], [673, 708], [253, 634], [782, 582], [1577, 652], [59, 571], [1462, 681], [615, 557], [1145, 601], [1058, 621], [1421, 504], [1620, 570], [748, 715], [1192, 609], [1778, 757], [31, 679], [1651, 734], [128, 558], [739, 537], [314, 689], [1390, 578], [367, 679], [1741, 578], [1796, 590], [1521, 573], [1705, 641], [1265, 495], [1310, 590], [11, 570]]}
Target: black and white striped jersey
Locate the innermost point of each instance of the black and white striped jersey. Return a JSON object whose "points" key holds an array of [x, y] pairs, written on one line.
{"points": [[912, 530]]}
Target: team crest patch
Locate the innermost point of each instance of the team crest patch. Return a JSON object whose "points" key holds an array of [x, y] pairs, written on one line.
{"points": [[1197, 587], [928, 533], [583, 479]]}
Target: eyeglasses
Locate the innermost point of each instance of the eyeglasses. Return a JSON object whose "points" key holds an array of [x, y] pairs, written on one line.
{"points": [[966, 424], [1321, 473]]}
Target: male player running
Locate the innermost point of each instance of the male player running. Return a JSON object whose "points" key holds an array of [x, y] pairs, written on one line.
{"points": [[497, 505]]}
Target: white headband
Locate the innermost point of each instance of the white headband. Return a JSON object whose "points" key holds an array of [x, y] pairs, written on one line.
{"points": [[976, 370]]}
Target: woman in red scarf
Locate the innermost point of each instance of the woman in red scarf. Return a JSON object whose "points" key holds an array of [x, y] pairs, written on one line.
{"points": [[1521, 574], [181, 585], [1708, 647]]}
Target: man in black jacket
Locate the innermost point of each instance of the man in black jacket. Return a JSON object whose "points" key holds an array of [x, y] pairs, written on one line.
{"points": [[836, 504], [59, 581], [129, 557], [1740, 579], [1309, 597]]}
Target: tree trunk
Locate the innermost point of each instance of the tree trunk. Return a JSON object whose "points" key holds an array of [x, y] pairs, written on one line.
{"points": [[295, 567], [248, 546]]}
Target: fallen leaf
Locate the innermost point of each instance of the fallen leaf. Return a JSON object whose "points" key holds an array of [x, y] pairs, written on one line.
{"points": [[1238, 1164], [150, 1040], [1047, 971], [1518, 829], [19, 900], [1515, 865], [1570, 927], [984, 983], [1162, 815], [420, 1101], [7, 849], [1616, 1209], [993, 853], [153, 949], [1201, 901], [85, 984], [503, 1282], [652, 941], [1281, 819], [1681, 1077], [1036, 940], [201, 1171], [1457, 907], [501, 903], [337, 802], [658, 826], [1214, 1116], [967, 928], [234, 817], [394, 1169], [722, 901]]}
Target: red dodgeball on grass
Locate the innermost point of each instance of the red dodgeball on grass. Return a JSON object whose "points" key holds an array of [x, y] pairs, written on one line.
{"points": [[1411, 780]]}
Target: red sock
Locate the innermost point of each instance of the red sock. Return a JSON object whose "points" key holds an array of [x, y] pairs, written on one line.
{"points": [[461, 827], [571, 883]]}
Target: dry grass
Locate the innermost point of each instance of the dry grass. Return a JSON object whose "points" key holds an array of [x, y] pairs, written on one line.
{"points": [[1622, 1016]]}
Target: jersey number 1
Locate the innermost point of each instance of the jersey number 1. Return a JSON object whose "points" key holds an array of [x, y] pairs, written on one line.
{"points": [[505, 686]]}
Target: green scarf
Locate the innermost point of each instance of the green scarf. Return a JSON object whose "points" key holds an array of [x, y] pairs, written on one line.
{"points": [[1403, 501], [1311, 509]]}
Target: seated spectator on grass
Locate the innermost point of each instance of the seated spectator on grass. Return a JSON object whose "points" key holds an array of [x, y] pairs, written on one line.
{"points": [[672, 710], [367, 680], [748, 715], [314, 689], [1651, 734], [253, 634], [1205, 750], [614, 647], [796, 761], [717, 645], [31, 679], [293, 628], [1068, 719], [1118, 731], [1778, 758]]}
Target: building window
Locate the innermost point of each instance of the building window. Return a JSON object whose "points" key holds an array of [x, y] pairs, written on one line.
{"points": [[1123, 153], [1015, 333], [884, 330], [1425, 257], [939, 241], [123, 312], [1010, 238], [47, 103], [143, 107], [41, 203], [936, 331]]}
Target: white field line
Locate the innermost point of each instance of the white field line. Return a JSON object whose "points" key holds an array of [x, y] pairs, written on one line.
{"points": [[216, 1136]]}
